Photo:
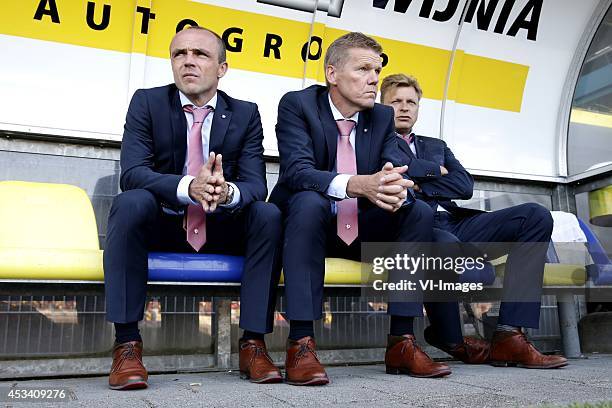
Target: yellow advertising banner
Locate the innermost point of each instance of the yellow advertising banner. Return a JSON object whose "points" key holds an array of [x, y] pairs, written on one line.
{"points": [[256, 42]]}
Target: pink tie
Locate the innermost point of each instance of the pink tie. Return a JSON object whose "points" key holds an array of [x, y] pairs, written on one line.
{"points": [[408, 138], [348, 228], [196, 217]]}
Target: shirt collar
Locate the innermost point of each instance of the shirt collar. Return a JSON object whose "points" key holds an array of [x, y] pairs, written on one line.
{"points": [[336, 113], [185, 101], [407, 137]]}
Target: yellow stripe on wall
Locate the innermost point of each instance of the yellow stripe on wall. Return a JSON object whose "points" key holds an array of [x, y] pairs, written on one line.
{"points": [[487, 82], [585, 117], [475, 80]]}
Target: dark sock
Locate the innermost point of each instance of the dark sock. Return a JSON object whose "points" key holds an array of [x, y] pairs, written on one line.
{"points": [[300, 328], [446, 335], [445, 338], [249, 335], [125, 332], [401, 325]]}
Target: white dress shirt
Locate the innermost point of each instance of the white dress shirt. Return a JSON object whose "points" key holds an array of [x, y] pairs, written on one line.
{"points": [[337, 187], [182, 191]]}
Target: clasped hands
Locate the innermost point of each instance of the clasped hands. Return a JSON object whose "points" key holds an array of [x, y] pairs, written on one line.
{"points": [[387, 188], [209, 188]]}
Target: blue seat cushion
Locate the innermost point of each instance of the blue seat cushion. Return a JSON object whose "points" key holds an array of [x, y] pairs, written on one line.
{"points": [[178, 267], [185, 267]]}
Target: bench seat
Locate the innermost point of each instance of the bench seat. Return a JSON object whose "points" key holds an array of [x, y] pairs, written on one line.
{"points": [[48, 233]]}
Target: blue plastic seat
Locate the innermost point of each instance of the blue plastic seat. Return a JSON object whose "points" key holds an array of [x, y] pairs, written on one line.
{"points": [[600, 272], [179, 267]]}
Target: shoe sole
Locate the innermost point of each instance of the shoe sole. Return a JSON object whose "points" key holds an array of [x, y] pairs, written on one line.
{"points": [[519, 365], [265, 380], [132, 385], [398, 371], [314, 381]]}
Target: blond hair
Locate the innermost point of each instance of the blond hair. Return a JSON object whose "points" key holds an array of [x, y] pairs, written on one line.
{"points": [[396, 81]]}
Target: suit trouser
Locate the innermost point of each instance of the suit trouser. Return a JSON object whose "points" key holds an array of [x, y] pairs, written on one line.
{"points": [[524, 224], [137, 225], [310, 236]]}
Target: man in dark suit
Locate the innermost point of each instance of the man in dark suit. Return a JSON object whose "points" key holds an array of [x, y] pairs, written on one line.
{"points": [[193, 180], [340, 185], [440, 178]]}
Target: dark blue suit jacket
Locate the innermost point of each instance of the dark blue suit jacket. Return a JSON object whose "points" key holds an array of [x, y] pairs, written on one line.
{"points": [[436, 189], [308, 136], [154, 145]]}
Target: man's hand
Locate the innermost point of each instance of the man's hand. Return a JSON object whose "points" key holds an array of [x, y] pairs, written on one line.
{"points": [[209, 187], [199, 188], [386, 188], [217, 180]]}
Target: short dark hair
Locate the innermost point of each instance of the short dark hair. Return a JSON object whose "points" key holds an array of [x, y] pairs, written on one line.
{"points": [[337, 51], [399, 80], [220, 43]]}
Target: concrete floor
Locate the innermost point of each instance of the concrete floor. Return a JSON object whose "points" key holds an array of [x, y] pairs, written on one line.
{"points": [[586, 380]]}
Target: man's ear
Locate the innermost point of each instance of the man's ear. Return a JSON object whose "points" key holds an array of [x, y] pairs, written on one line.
{"points": [[222, 70], [330, 74]]}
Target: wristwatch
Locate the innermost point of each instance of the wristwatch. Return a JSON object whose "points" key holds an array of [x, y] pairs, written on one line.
{"points": [[230, 194]]}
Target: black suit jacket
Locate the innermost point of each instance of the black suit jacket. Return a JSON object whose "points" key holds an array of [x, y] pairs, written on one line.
{"points": [[436, 189], [307, 141], [154, 145]]}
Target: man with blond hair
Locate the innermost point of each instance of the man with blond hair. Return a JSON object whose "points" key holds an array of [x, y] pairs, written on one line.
{"points": [[440, 178], [341, 184]]}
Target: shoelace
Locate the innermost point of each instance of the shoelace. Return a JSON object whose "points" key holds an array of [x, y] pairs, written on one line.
{"points": [[529, 343], [127, 354], [415, 346], [259, 351], [305, 348]]}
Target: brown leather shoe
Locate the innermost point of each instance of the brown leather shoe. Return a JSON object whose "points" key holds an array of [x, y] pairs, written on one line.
{"points": [[302, 366], [511, 348], [127, 371], [404, 356], [256, 364], [471, 351]]}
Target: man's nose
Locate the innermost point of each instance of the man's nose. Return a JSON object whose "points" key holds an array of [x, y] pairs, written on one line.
{"points": [[189, 59], [373, 78]]}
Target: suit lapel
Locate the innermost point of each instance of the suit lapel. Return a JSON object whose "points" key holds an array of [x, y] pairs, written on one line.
{"points": [[178, 124], [363, 142], [220, 123], [421, 147], [405, 148], [330, 129]]}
